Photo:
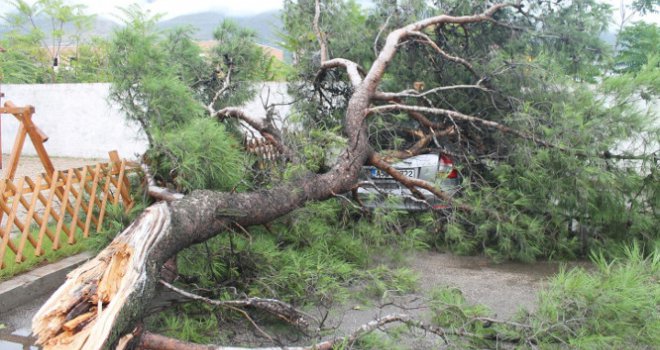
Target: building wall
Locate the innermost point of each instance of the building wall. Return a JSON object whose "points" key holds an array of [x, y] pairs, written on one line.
{"points": [[81, 121], [78, 119]]}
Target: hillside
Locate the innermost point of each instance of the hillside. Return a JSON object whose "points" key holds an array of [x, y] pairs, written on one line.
{"points": [[266, 24], [101, 26]]}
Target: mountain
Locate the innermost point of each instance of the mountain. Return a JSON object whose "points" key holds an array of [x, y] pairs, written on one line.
{"points": [[266, 24], [102, 27]]}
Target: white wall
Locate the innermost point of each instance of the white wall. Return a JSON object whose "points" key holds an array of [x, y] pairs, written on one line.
{"points": [[78, 119], [82, 122]]}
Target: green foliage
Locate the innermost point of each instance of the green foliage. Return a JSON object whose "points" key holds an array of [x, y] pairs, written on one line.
{"points": [[33, 49], [237, 55], [12, 268], [613, 307], [631, 87], [17, 67], [555, 187], [169, 85], [572, 39], [343, 25], [449, 308], [383, 282], [198, 326], [315, 257], [528, 201], [145, 86], [638, 42], [199, 155], [116, 219], [646, 6]]}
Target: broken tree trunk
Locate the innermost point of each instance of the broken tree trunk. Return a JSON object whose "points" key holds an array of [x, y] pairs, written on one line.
{"points": [[105, 298], [102, 300]]}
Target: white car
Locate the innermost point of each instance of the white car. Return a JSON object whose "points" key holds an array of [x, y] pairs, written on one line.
{"points": [[379, 190]]}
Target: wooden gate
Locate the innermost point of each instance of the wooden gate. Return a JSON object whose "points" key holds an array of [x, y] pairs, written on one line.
{"points": [[50, 210]]}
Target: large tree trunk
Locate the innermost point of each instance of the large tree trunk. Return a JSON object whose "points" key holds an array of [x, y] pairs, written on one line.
{"points": [[105, 298]]}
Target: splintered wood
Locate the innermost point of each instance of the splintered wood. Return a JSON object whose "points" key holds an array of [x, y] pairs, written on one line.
{"points": [[66, 326], [109, 284], [82, 313]]}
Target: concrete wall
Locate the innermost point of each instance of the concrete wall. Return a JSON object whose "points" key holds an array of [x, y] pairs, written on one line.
{"points": [[81, 121], [78, 119]]}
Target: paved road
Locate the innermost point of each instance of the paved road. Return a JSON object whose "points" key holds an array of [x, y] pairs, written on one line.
{"points": [[503, 288], [16, 334]]}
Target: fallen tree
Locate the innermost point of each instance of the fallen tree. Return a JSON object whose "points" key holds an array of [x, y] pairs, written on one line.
{"points": [[101, 302]]}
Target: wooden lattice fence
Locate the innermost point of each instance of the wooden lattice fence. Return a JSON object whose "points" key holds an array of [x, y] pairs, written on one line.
{"points": [[59, 208]]}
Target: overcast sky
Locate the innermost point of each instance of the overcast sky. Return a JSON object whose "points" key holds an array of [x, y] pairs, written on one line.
{"points": [[173, 8]]}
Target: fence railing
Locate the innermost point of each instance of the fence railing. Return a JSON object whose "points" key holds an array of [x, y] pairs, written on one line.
{"points": [[47, 211]]}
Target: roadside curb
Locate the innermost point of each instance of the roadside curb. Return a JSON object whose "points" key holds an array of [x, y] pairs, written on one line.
{"points": [[44, 280]]}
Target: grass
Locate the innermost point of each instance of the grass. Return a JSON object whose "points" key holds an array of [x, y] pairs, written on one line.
{"points": [[612, 307], [116, 220], [315, 258], [12, 268]]}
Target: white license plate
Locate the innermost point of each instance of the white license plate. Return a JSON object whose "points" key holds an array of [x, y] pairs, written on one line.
{"points": [[379, 174]]}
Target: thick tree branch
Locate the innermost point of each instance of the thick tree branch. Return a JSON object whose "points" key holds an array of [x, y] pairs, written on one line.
{"points": [[275, 307], [421, 145], [265, 128], [164, 194], [460, 116], [442, 52], [355, 72], [319, 35], [380, 32], [412, 184], [379, 66]]}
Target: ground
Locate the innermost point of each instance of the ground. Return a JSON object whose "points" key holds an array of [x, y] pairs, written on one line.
{"points": [[504, 288], [31, 165]]}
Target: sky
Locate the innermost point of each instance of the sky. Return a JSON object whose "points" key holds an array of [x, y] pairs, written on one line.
{"points": [[173, 8]]}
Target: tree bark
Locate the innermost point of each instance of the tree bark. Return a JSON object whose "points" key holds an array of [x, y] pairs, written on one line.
{"points": [[105, 298], [117, 285]]}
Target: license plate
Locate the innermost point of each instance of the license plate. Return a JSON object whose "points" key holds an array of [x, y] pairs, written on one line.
{"points": [[379, 174]]}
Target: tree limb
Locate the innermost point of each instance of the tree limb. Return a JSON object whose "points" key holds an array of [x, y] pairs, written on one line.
{"points": [[353, 69], [117, 285], [389, 96], [265, 128], [273, 306], [319, 35], [225, 87], [442, 53], [151, 341], [412, 184], [460, 116]]}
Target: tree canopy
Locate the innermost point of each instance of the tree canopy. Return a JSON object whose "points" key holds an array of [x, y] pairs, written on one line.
{"points": [[558, 151]]}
